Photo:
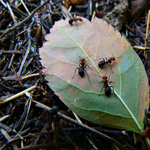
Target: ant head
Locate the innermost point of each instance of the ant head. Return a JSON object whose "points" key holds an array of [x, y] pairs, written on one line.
{"points": [[113, 58], [104, 77], [41, 73], [82, 59], [43, 67], [70, 21]]}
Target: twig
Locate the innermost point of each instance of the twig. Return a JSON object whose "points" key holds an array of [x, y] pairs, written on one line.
{"points": [[65, 12], [8, 129], [17, 9], [141, 48], [39, 146], [25, 7], [8, 137], [24, 116], [27, 64], [21, 77], [7, 87], [90, 9], [11, 13], [4, 118], [16, 75], [12, 51], [5, 68], [17, 95], [21, 32], [132, 30], [3, 3], [17, 139], [12, 58], [147, 27]]}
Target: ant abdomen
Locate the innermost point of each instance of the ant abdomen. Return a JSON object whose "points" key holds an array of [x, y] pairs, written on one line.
{"points": [[108, 91], [81, 72], [101, 63]]}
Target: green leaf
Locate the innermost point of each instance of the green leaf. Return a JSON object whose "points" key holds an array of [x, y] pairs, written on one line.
{"points": [[67, 44]]}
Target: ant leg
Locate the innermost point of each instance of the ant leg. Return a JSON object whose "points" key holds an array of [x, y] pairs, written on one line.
{"points": [[79, 56], [87, 76], [110, 67], [88, 66], [99, 59], [101, 90], [74, 72], [76, 25], [110, 82]]}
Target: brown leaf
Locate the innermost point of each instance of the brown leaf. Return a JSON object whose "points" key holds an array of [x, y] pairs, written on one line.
{"points": [[129, 97]]}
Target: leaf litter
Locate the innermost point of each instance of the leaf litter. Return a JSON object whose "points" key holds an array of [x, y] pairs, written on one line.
{"points": [[66, 45]]}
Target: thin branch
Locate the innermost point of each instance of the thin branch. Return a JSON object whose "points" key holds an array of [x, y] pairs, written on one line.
{"points": [[12, 51], [17, 95], [16, 75]]}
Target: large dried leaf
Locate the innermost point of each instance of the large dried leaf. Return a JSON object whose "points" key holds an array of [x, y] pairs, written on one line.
{"points": [[60, 55]]}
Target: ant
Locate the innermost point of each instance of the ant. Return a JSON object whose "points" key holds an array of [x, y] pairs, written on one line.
{"points": [[106, 86], [74, 19], [81, 68], [103, 62], [42, 81]]}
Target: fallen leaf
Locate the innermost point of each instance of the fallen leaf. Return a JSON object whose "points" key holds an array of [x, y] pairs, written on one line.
{"points": [[66, 45]]}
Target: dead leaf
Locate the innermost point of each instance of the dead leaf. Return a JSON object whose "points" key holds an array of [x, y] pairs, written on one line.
{"points": [[66, 45]]}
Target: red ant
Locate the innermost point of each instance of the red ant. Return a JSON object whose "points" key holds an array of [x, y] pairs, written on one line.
{"points": [[42, 80], [74, 19], [103, 62], [41, 74], [106, 86], [81, 68]]}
